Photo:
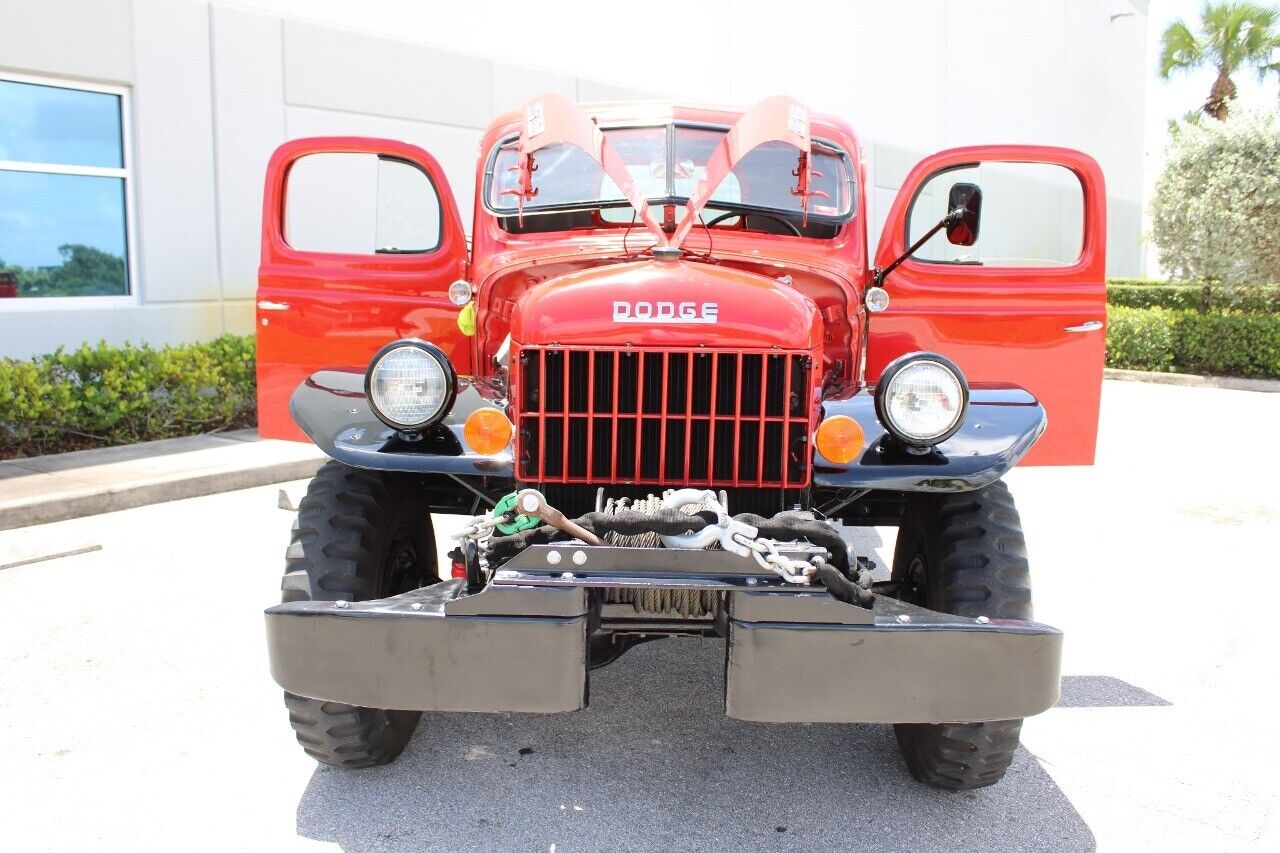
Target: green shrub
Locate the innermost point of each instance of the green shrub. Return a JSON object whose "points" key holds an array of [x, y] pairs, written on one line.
{"points": [[1228, 344], [1250, 298], [1215, 205], [1207, 328], [1222, 344], [104, 395], [1140, 339]]}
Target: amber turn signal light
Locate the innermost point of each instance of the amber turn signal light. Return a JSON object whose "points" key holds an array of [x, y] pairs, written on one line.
{"points": [[840, 439], [487, 431]]}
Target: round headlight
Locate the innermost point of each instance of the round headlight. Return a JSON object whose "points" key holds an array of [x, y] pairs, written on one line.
{"points": [[410, 384], [922, 398]]}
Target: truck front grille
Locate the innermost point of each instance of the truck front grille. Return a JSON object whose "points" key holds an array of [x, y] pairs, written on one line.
{"points": [[695, 417]]}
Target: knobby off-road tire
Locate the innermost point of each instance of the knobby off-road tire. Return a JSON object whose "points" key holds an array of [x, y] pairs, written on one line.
{"points": [[963, 554], [358, 535]]}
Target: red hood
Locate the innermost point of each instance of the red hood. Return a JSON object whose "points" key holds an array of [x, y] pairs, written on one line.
{"points": [[667, 304]]}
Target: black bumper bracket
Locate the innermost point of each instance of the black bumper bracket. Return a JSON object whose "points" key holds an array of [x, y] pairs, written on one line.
{"points": [[809, 658], [436, 649]]}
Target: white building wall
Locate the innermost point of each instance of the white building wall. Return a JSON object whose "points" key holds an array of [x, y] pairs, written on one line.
{"points": [[216, 86], [248, 104]]}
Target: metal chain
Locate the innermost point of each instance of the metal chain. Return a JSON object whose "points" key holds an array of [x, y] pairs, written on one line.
{"points": [[765, 552], [479, 528]]}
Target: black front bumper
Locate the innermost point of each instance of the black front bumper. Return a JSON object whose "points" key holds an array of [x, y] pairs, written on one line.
{"points": [[794, 654], [1002, 424]]}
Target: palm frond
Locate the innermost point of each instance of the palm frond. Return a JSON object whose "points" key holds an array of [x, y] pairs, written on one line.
{"points": [[1238, 34], [1180, 50]]}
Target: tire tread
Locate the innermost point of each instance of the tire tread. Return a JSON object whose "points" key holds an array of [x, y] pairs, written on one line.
{"points": [[331, 557], [978, 567]]}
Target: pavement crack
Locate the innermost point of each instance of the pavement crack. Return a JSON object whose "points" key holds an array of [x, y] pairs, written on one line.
{"points": [[55, 556]]}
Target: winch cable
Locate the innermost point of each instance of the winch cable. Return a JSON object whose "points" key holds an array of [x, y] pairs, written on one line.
{"points": [[625, 522], [649, 505]]}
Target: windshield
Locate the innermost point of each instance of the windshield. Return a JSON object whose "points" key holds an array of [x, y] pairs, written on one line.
{"points": [[666, 164]]}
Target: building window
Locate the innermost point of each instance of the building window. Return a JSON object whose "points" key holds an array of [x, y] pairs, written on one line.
{"points": [[64, 191]]}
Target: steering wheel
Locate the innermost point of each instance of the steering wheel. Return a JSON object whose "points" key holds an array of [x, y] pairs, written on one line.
{"points": [[785, 223]]}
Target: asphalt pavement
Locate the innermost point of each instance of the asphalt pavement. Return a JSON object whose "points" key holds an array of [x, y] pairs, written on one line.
{"points": [[136, 712]]}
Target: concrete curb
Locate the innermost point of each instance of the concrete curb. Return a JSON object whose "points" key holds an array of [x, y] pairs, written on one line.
{"points": [[129, 497], [45, 489], [1235, 383]]}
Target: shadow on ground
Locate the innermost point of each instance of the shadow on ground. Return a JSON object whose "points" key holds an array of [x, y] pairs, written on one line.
{"points": [[654, 764], [1105, 691]]}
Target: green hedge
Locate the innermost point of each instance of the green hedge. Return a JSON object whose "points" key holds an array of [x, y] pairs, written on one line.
{"points": [[1140, 340], [1224, 344], [105, 395], [1205, 299], [1228, 345]]}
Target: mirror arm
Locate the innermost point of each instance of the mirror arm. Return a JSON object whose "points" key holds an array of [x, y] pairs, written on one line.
{"points": [[952, 217]]}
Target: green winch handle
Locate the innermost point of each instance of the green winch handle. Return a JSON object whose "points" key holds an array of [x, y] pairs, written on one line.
{"points": [[515, 521]]}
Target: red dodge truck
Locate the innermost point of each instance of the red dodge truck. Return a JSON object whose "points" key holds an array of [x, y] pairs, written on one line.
{"points": [[661, 372]]}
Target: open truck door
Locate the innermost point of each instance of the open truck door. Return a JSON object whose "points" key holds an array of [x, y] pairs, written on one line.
{"points": [[1013, 290], [361, 239]]}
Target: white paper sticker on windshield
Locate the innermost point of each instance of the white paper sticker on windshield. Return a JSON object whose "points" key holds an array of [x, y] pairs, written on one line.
{"points": [[797, 120], [533, 118]]}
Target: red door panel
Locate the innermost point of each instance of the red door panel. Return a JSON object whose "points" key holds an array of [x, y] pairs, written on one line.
{"points": [[319, 310], [1042, 328]]}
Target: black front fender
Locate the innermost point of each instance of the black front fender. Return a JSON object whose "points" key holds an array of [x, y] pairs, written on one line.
{"points": [[332, 410], [1000, 427]]}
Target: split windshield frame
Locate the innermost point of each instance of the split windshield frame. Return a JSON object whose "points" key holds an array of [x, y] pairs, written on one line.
{"points": [[823, 145]]}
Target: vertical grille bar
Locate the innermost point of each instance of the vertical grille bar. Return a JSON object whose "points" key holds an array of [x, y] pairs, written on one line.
{"points": [[764, 407], [688, 414], [564, 420], [786, 412], [613, 459], [662, 439], [711, 419], [737, 419], [591, 412], [637, 470], [543, 396]]}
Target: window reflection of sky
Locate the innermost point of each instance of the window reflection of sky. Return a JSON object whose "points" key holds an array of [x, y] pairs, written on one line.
{"points": [[54, 127], [48, 124], [40, 212]]}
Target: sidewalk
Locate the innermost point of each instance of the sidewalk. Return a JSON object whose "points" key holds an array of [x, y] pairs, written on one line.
{"points": [[87, 482]]}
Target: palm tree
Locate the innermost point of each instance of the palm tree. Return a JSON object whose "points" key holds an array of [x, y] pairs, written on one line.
{"points": [[1232, 35]]}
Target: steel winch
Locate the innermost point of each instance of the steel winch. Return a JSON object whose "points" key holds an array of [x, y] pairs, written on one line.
{"points": [[671, 554]]}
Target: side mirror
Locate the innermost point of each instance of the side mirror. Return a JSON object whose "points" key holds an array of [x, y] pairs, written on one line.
{"points": [[965, 203], [964, 209]]}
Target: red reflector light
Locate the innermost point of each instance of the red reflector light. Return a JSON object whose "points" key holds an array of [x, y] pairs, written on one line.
{"points": [[459, 569]]}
